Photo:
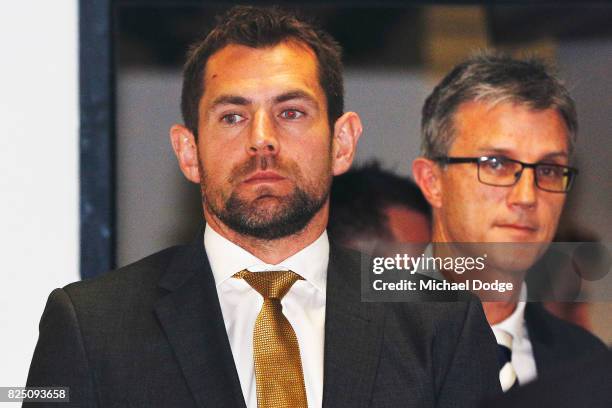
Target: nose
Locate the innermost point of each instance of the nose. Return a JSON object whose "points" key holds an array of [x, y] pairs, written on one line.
{"points": [[263, 138], [523, 193]]}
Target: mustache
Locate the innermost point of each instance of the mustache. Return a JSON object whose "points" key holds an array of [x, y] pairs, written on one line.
{"points": [[254, 163]]}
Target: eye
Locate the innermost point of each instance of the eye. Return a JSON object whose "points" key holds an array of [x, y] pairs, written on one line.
{"points": [[232, 118], [496, 163], [291, 114], [550, 171]]}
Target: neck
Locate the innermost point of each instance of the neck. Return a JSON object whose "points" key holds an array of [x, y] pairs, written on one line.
{"points": [[438, 234], [497, 312], [276, 250]]}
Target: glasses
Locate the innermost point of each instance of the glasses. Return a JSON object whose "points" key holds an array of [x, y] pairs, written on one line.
{"points": [[504, 172]]}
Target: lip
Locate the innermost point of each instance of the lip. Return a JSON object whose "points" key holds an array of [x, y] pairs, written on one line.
{"points": [[518, 227], [264, 177]]}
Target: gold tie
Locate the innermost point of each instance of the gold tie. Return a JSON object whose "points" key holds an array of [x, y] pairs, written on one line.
{"points": [[278, 367]]}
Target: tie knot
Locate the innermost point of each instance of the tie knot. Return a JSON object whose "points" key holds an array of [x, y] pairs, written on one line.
{"points": [[270, 284]]}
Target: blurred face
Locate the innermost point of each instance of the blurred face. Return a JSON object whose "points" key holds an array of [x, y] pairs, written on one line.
{"points": [[407, 225], [474, 212], [407, 231], [265, 147]]}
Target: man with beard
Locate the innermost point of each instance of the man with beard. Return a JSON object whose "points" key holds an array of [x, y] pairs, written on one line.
{"points": [[260, 310], [498, 133]]}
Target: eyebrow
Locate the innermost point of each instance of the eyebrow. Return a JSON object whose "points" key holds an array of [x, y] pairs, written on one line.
{"points": [[554, 155], [229, 100], [297, 94], [506, 152]]}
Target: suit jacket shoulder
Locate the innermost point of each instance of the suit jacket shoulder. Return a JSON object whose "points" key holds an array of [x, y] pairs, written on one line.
{"points": [[148, 334], [584, 383], [122, 289], [425, 353], [556, 341]]}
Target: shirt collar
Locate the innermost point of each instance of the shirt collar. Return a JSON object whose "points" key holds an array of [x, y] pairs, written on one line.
{"points": [[226, 258], [515, 323]]}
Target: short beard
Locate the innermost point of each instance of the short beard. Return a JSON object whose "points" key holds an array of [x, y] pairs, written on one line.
{"points": [[294, 214], [291, 216]]}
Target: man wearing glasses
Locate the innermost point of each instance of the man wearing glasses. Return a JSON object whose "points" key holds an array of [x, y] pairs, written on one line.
{"points": [[498, 134]]}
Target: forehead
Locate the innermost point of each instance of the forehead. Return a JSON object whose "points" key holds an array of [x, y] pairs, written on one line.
{"points": [[521, 131], [259, 72]]}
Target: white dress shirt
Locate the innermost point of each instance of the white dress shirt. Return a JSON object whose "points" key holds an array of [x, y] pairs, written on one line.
{"points": [[303, 305], [522, 351]]}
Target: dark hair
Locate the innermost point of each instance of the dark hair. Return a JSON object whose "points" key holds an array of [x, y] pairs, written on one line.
{"points": [[260, 27], [492, 78], [359, 198]]}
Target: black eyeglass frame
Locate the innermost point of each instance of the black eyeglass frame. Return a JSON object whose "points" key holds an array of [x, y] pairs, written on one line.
{"points": [[571, 172]]}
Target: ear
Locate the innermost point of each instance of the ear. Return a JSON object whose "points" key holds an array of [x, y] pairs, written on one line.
{"points": [[347, 131], [186, 151], [427, 174]]}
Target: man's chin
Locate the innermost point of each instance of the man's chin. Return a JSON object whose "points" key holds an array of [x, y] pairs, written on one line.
{"points": [[266, 201], [268, 218], [507, 253], [266, 207], [261, 218], [269, 214], [268, 226]]}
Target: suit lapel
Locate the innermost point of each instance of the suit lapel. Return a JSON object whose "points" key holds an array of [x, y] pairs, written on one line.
{"points": [[353, 335], [190, 315], [540, 336]]}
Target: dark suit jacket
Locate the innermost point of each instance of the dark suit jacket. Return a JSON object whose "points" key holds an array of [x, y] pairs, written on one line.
{"points": [[151, 334], [586, 383], [557, 342]]}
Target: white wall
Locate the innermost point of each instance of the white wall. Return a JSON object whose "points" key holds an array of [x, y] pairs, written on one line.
{"points": [[38, 170]]}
